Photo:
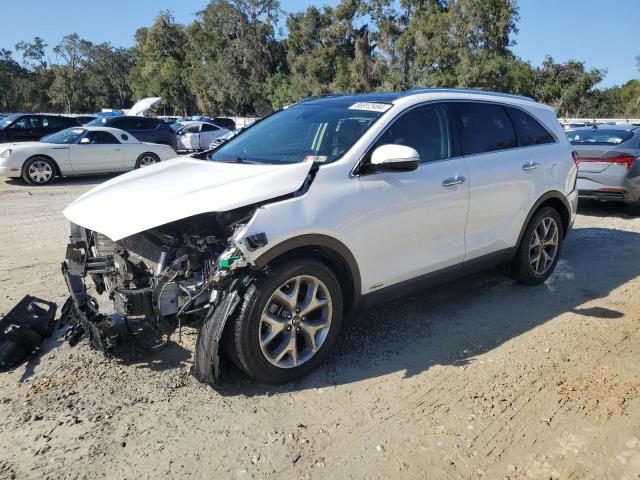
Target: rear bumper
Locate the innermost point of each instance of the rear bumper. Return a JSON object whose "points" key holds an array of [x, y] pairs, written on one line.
{"points": [[627, 191]]}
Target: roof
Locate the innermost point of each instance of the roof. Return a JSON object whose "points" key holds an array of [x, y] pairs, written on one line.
{"points": [[389, 97]]}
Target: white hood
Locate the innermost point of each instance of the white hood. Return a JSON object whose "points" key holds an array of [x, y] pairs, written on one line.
{"points": [[179, 188]]}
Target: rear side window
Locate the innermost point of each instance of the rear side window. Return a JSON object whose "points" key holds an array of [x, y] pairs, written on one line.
{"points": [[529, 130], [485, 128], [600, 136], [425, 128]]}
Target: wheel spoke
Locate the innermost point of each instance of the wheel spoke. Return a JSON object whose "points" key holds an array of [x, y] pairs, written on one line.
{"points": [[276, 326], [311, 301], [286, 336]]}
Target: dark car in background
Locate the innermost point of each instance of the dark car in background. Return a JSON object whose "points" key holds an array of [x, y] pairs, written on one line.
{"points": [[225, 122], [609, 165], [29, 127], [145, 129]]}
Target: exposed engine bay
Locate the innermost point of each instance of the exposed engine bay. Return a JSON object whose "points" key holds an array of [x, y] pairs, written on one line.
{"points": [[169, 276]]}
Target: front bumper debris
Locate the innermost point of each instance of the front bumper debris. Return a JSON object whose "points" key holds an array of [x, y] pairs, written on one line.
{"points": [[24, 329]]}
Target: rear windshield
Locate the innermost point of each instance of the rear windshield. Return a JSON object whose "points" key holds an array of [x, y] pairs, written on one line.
{"points": [[601, 136]]}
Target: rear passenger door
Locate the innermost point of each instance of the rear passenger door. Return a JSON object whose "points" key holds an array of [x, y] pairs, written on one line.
{"points": [[416, 218], [506, 172]]}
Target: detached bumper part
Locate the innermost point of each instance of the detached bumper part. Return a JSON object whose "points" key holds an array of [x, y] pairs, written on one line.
{"points": [[24, 329], [80, 313]]}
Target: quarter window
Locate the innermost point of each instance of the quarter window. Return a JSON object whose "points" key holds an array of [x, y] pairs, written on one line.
{"points": [[485, 128], [425, 128], [529, 130]]}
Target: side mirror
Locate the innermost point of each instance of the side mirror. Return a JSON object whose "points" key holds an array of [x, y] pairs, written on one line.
{"points": [[388, 158], [85, 141]]}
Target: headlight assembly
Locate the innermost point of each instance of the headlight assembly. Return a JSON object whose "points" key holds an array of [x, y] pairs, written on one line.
{"points": [[6, 153]]}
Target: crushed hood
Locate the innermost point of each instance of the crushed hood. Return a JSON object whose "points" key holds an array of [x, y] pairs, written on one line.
{"points": [[179, 188]]}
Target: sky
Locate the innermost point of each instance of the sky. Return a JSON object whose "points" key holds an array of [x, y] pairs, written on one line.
{"points": [[604, 34]]}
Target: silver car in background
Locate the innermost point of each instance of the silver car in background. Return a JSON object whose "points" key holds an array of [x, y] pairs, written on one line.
{"points": [[609, 168]]}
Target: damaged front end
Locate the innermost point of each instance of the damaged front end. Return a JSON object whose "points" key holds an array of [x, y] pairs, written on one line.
{"points": [[173, 275]]}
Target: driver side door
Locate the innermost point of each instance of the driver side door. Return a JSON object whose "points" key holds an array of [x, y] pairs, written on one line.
{"points": [[417, 218], [97, 152]]}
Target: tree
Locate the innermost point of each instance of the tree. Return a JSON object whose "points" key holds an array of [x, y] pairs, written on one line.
{"points": [[69, 83], [12, 75], [567, 86], [39, 76], [107, 72], [160, 67], [233, 55]]}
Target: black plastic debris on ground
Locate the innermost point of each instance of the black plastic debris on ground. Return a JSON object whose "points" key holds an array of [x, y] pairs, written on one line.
{"points": [[24, 329]]}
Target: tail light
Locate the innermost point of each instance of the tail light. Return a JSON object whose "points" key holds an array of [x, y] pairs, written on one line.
{"points": [[627, 160], [576, 157]]}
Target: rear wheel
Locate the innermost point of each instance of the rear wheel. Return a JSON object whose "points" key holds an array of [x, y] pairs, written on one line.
{"points": [[147, 159], [38, 171], [289, 320], [540, 247]]}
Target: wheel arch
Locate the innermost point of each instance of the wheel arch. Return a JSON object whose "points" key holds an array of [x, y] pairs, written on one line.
{"points": [[335, 254], [48, 157], [553, 199]]}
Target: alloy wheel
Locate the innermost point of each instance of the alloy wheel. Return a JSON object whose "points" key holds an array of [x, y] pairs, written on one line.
{"points": [[295, 321], [544, 245], [147, 160], [40, 172]]}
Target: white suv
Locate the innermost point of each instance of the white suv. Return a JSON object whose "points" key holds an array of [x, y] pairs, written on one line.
{"points": [[268, 241]]}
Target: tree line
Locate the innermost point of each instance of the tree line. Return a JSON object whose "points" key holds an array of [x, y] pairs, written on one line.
{"points": [[248, 57]]}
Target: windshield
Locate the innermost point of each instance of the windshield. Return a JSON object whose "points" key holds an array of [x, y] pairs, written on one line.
{"points": [[307, 132], [601, 136], [66, 137], [6, 121], [98, 122], [176, 126]]}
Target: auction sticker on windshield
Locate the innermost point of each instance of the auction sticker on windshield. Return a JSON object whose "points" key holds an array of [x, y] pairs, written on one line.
{"points": [[371, 107]]}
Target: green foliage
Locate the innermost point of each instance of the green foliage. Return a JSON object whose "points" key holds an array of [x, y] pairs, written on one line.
{"points": [[235, 58]]}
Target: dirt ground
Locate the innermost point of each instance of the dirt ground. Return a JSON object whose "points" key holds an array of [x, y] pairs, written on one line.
{"points": [[479, 378]]}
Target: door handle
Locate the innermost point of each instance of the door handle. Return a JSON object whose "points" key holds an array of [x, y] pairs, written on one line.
{"points": [[530, 166], [452, 182]]}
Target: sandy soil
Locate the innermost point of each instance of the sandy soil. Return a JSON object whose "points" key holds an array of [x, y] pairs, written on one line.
{"points": [[479, 378]]}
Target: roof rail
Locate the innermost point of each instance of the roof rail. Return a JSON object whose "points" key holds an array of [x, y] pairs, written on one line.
{"points": [[414, 91]]}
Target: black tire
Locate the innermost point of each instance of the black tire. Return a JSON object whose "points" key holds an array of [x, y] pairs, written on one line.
{"points": [[242, 337], [49, 170], [145, 157], [633, 209], [522, 270]]}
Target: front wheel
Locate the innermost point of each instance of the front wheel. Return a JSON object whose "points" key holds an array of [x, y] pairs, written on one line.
{"points": [[540, 248], [147, 159], [38, 171], [288, 323]]}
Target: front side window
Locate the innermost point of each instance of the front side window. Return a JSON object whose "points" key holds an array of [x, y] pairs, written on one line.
{"points": [[529, 130], [315, 131], [207, 127], [101, 138], [425, 128], [485, 128]]}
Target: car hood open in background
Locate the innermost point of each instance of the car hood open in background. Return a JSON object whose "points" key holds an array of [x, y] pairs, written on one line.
{"points": [[177, 189]]}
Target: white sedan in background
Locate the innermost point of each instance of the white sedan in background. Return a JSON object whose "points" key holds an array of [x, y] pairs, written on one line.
{"points": [[79, 151], [198, 135]]}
